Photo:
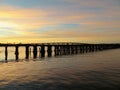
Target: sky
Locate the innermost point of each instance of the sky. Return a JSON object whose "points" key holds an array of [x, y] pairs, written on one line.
{"points": [[36, 21]]}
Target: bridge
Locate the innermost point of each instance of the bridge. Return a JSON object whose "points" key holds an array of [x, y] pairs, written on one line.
{"points": [[57, 48]]}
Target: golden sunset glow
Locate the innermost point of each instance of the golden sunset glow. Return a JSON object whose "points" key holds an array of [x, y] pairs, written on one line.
{"points": [[59, 20]]}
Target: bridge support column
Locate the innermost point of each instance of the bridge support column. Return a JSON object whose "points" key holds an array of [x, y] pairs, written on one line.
{"points": [[27, 52], [70, 46], [35, 51], [17, 52], [95, 48], [49, 51], [76, 49], [81, 48], [68, 49], [64, 50], [60, 50], [92, 47], [86, 48], [42, 51], [101, 47], [56, 50], [72, 49], [6, 53]]}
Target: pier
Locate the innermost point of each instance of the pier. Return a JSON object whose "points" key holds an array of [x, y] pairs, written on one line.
{"points": [[57, 48]]}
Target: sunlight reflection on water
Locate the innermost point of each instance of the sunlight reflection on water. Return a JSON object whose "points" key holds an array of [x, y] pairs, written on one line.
{"points": [[91, 71]]}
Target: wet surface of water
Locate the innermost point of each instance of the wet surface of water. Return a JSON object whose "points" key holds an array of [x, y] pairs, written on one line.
{"points": [[90, 71]]}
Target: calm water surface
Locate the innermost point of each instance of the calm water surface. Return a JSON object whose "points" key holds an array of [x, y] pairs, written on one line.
{"points": [[90, 71]]}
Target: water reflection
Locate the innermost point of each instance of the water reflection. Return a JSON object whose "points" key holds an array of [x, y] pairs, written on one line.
{"points": [[9, 54], [92, 71]]}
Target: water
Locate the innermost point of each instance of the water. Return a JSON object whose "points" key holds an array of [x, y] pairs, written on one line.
{"points": [[90, 71]]}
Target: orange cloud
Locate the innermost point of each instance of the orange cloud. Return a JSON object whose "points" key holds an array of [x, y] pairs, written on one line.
{"points": [[65, 37], [24, 22]]}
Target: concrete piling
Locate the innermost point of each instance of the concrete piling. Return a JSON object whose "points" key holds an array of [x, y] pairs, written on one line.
{"points": [[49, 51], [17, 52], [27, 52], [42, 51]]}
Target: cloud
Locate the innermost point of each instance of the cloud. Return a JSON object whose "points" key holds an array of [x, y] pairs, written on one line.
{"points": [[64, 36], [95, 19]]}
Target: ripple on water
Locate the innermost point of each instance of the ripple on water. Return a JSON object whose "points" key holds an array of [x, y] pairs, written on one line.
{"points": [[77, 72]]}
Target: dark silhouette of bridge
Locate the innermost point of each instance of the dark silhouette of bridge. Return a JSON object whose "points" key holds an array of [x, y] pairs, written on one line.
{"points": [[59, 49]]}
